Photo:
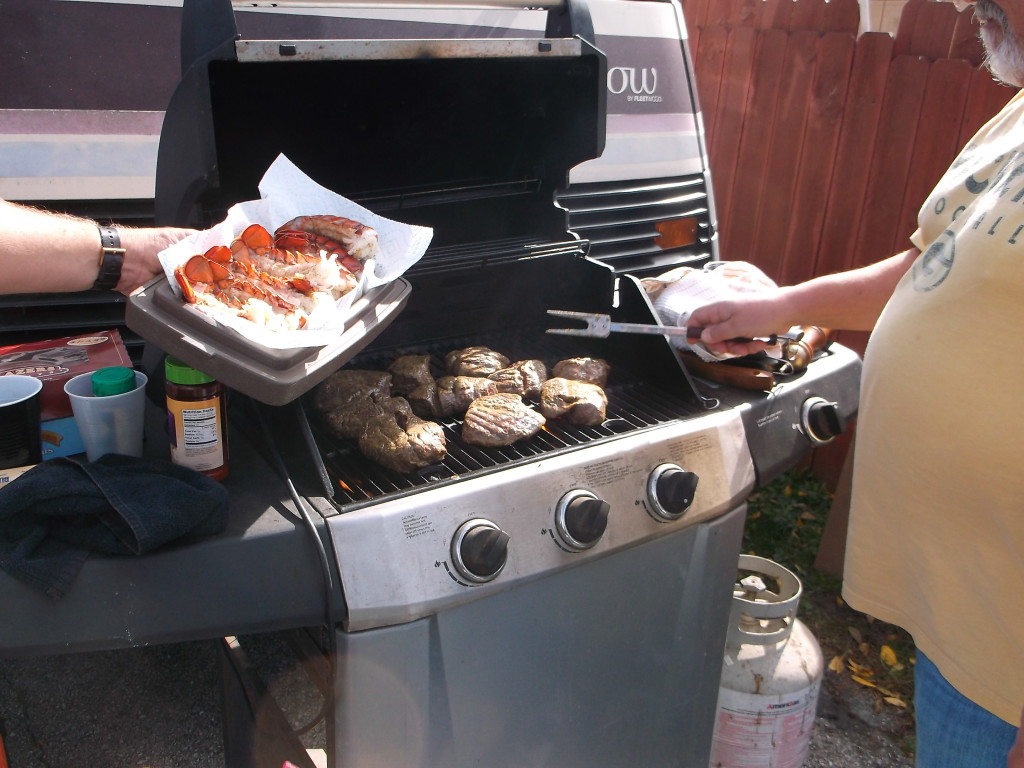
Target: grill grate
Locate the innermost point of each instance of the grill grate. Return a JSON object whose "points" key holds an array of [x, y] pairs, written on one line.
{"points": [[357, 481]]}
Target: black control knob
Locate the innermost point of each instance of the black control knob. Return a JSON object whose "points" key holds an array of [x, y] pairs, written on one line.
{"points": [[581, 519], [670, 491], [480, 550], [821, 420]]}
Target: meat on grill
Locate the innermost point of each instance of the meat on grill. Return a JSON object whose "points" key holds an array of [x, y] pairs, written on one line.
{"points": [[590, 369], [413, 379], [577, 402], [498, 420], [474, 361], [523, 378], [409, 372], [455, 393], [401, 441], [347, 399]]}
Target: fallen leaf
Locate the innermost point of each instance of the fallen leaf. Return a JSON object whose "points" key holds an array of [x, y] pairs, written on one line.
{"points": [[859, 669], [808, 516], [855, 633], [888, 656], [896, 701], [836, 665], [862, 681]]}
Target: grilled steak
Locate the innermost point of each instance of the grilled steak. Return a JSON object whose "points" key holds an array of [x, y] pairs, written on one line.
{"points": [[474, 361], [412, 378], [455, 393], [523, 378], [409, 373], [498, 420], [577, 402], [401, 441], [590, 369], [348, 398]]}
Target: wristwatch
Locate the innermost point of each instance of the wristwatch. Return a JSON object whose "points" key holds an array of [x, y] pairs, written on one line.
{"points": [[111, 260]]}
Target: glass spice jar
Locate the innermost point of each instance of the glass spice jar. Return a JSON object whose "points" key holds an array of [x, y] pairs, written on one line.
{"points": [[196, 419]]}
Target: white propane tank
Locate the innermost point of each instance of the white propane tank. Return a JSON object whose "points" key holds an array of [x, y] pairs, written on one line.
{"points": [[768, 697]]}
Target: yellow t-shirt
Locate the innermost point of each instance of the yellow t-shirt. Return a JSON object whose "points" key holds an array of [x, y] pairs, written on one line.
{"points": [[936, 538]]}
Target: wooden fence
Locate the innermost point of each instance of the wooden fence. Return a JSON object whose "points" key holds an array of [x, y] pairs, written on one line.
{"points": [[823, 144]]}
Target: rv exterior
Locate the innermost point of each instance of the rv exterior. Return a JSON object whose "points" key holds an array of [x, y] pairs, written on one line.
{"points": [[87, 82]]}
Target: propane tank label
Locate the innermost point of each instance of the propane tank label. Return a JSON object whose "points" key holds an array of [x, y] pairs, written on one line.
{"points": [[758, 731]]}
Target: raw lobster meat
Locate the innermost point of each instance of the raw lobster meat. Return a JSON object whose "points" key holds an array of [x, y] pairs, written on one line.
{"points": [[277, 280]]}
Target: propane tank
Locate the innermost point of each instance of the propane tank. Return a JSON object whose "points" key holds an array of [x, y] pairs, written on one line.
{"points": [[771, 676]]}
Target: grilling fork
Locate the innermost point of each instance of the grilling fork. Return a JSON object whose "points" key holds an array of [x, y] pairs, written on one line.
{"points": [[601, 326]]}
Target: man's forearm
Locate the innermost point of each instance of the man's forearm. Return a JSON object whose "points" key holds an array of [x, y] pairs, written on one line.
{"points": [[42, 252], [39, 250]]}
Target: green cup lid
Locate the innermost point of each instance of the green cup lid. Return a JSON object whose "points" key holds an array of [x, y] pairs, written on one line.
{"points": [[177, 372], [115, 380]]}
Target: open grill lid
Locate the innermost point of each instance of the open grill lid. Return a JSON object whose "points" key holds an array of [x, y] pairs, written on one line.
{"points": [[472, 137]]}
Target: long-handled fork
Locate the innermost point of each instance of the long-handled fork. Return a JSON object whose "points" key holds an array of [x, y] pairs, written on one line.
{"points": [[601, 326]]}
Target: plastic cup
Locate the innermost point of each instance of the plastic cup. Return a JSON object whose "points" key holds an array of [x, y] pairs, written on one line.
{"points": [[20, 438], [110, 424]]}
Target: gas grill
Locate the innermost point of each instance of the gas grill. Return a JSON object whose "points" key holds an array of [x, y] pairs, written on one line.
{"points": [[560, 602]]}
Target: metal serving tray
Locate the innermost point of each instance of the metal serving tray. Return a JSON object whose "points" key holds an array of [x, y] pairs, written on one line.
{"points": [[271, 376]]}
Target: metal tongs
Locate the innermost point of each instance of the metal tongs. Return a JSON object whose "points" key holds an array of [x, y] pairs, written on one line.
{"points": [[601, 326]]}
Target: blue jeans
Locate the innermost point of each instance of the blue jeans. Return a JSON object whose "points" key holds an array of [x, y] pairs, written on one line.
{"points": [[953, 731]]}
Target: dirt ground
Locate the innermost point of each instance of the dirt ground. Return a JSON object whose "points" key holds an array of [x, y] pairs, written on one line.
{"points": [[159, 707], [856, 726]]}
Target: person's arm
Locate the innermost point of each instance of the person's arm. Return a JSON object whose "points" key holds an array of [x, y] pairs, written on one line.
{"points": [[850, 300], [42, 252]]}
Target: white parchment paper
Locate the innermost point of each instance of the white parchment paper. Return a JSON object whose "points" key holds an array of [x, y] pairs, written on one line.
{"points": [[677, 293], [286, 192]]}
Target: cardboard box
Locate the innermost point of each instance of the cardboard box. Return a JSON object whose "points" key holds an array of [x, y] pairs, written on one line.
{"points": [[55, 362]]}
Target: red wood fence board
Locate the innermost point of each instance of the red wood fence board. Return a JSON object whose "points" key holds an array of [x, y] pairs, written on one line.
{"points": [[707, 65], [905, 29], [785, 140], [776, 14], [964, 43], [985, 98], [842, 16], [933, 29], [696, 12], [890, 162], [844, 203], [733, 94], [821, 139], [738, 240], [937, 141]]}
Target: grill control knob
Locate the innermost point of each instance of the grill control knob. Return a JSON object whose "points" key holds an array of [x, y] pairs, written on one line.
{"points": [[581, 519], [821, 420], [670, 490], [479, 550]]}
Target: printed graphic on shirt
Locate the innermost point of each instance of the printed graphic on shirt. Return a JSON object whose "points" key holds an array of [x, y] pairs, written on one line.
{"points": [[987, 204], [935, 264]]}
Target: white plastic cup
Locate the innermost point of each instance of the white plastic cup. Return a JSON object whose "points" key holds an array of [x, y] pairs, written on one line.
{"points": [[111, 424], [20, 438]]}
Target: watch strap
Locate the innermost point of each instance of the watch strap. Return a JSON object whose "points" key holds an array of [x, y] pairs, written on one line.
{"points": [[111, 260]]}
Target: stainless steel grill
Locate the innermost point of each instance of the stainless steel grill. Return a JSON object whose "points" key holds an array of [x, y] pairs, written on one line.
{"points": [[460, 624]]}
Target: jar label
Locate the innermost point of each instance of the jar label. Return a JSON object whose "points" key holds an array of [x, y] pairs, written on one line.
{"points": [[196, 439]]}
